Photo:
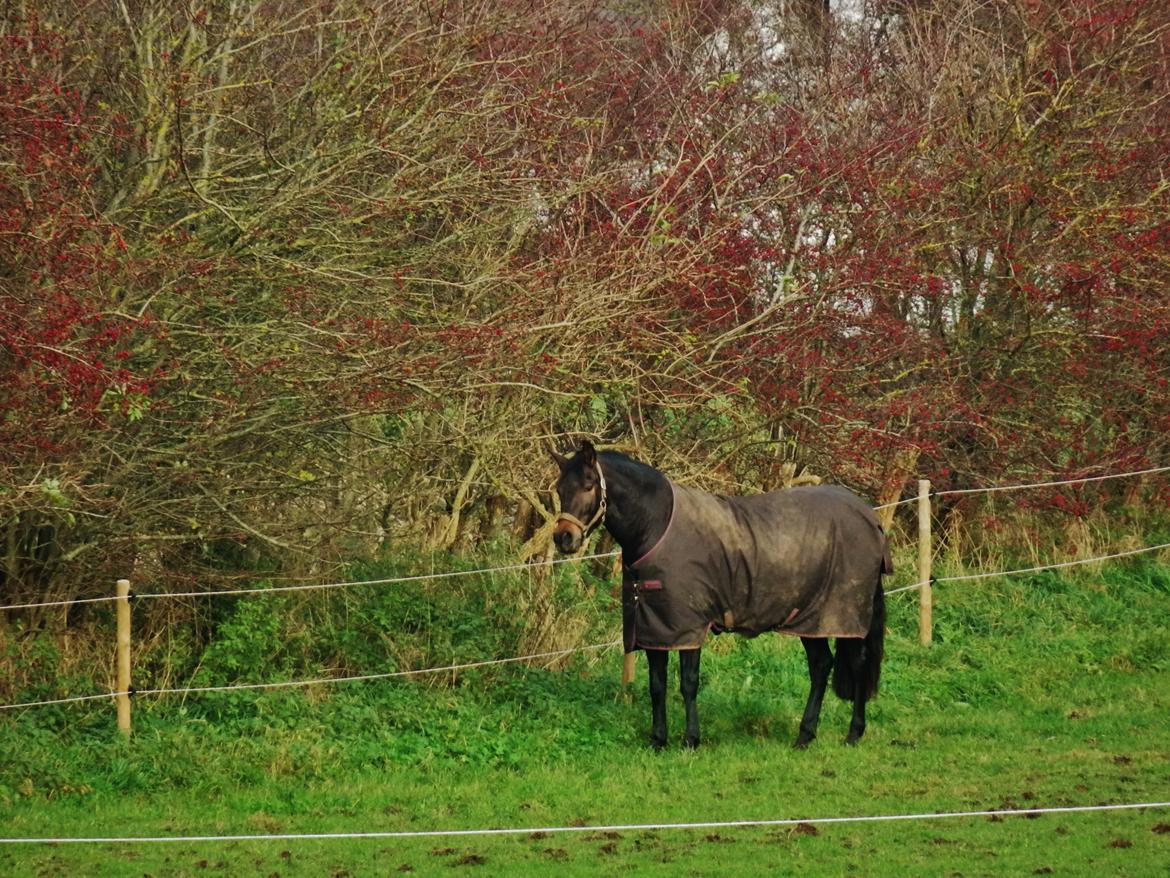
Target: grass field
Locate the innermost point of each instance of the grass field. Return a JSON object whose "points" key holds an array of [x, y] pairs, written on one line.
{"points": [[1042, 691]]}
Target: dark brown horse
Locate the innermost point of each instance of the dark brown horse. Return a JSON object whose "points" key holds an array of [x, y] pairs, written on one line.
{"points": [[804, 561]]}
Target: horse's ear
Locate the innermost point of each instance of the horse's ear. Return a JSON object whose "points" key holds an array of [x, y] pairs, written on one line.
{"points": [[560, 459], [587, 453]]}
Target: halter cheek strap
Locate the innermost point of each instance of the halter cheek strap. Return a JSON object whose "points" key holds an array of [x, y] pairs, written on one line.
{"points": [[586, 528]]}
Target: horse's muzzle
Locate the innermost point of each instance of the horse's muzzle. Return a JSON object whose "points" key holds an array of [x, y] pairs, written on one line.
{"points": [[567, 537]]}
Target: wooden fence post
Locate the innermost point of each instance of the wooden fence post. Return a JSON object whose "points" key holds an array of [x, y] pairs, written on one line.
{"points": [[628, 668], [925, 596], [628, 659], [123, 656]]}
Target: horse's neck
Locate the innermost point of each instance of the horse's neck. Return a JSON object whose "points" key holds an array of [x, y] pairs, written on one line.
{"points": [[639, 504]]}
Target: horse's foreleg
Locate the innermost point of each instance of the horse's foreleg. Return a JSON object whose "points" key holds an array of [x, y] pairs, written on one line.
{"points": [[820, 663], [688, 679], [656, 660]]}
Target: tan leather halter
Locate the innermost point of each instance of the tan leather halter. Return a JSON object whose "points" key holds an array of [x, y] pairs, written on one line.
{"points": [[597, 516]]}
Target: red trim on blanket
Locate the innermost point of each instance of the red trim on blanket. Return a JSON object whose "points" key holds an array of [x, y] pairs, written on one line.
{"points": [[673, 507]]}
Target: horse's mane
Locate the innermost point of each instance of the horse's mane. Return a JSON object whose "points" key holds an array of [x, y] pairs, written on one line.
{"points": [[630, 462]]}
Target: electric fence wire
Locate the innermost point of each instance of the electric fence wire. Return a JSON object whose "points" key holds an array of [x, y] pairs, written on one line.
{"points": [[1056, 566], [274, 589], [525, 566], [318, 681], [539, 831]]}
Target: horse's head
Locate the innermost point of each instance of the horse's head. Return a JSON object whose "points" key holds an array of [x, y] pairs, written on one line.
{"points": [[581, 489]]}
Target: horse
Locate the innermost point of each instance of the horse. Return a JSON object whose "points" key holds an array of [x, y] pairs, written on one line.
{"points": [[806, 561]]}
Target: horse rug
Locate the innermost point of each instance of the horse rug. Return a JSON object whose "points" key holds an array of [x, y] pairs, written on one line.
{"points": [[804, 561]]}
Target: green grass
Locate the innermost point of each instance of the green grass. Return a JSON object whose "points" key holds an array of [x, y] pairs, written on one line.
{"points": [[1039, 691]]}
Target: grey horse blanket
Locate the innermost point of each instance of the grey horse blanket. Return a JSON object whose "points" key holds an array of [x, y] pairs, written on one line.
{"points": [[804, 561]]}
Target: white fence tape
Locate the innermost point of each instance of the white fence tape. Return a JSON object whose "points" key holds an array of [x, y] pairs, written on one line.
{"points": [[613, 827]]}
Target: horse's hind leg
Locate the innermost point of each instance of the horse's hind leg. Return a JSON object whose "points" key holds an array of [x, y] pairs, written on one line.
{"points": [[820, 663], [688, 678], [852, 652], [656, 660]]}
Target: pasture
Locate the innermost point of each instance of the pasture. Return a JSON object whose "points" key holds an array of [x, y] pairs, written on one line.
{"points": [[1040, 691]]}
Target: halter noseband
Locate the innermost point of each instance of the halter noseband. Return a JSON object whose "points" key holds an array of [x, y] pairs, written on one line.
{"points": [[597, 516]]}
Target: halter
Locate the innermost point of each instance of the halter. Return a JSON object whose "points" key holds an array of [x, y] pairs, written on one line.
{"points": [[597, 516]]}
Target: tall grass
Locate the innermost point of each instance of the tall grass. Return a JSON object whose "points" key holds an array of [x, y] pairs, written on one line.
{"points": [[224, 639]]}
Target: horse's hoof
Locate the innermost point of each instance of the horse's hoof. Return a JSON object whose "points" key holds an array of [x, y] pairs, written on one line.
{"points": [[657, 746], [691, 743], [802, 741], [853, 738]]}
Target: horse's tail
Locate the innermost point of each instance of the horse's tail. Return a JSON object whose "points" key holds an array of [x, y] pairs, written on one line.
{"points": [[848, 672], [875, 643]]}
